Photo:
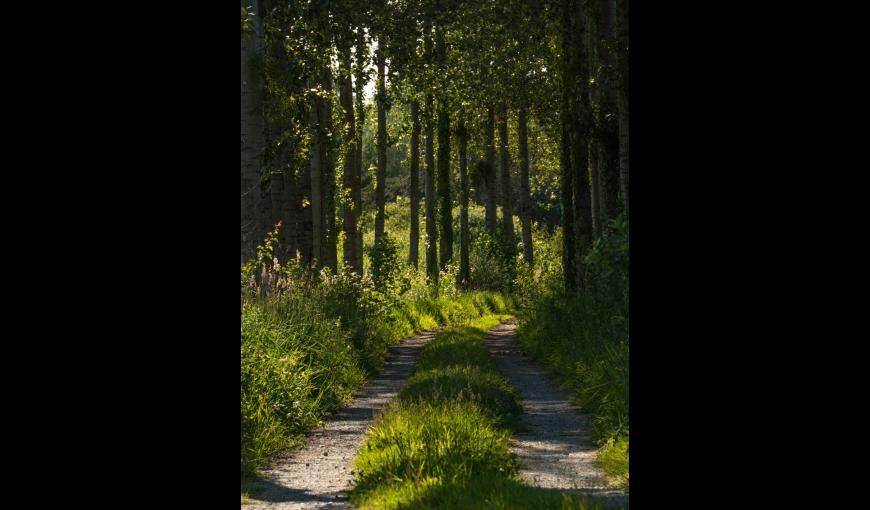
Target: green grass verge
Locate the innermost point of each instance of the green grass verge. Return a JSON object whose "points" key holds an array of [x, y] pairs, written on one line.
{"points": [[304, 354], [583, 342], [444, 441]]}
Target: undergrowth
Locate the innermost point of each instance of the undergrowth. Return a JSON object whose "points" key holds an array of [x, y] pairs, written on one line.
{"points": [[583, 339], [309, 341]]}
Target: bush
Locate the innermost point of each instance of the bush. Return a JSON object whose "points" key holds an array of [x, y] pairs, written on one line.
{"points": [[493, 263], [385, 263]]}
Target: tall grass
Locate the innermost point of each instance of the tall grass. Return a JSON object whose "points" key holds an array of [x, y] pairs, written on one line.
{"points": [[444, 441], [307, 346], [583, 338]]}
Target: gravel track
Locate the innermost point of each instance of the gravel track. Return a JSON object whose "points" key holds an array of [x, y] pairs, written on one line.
{"points": [[555, 449], [318, 475]]}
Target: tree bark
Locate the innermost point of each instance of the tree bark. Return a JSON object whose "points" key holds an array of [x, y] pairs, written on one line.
{"points": [[316, 184], [464, 266], [414, 192], [525, 198], [568, 244], [594, 149], [429, 181], [349, 180], [382, 145], [622, 96], [359, 85], [489, 179], [507, 209], [580, 142], [607, 113], [445, 204], [252, 133]]}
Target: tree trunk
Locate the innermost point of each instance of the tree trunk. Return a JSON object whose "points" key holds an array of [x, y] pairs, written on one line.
{"points": [[582, 122], [252, 136], [429, 184], [349, 180], [568, 245], [507, 209], [414, 192], [489, 179], [622, 97], [594, 149], [281, 147], [525, 199], [445, 204], [359, 85], [608, 136], [316, 184], [330, 242], [464, 266], [382, 145]]}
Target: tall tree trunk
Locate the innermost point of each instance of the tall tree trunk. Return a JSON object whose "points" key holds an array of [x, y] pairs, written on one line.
{"points": [[567, 203], [595, 188], [265, 220], [359, 85], [306, 200], [414, 192], [382, 145], [594, 149], [445, 204], [507, 209], [325, 232], [525, 198], [429, 181], [608, 135], [622, 97], [489, 178], [464, 266], [316, 184], [253, 136], [349, 180], [331, 228], [281, 147], [580, 143]]}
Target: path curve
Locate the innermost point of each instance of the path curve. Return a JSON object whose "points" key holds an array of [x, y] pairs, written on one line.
{"points": [[555, 450], [318, 475]]}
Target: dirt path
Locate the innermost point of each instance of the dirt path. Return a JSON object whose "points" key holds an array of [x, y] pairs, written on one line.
{"points": [[316, 476], [555, 449]]}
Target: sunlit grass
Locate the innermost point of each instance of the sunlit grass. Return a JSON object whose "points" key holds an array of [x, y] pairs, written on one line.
{"points": [[444, 441], [304, 354]]}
